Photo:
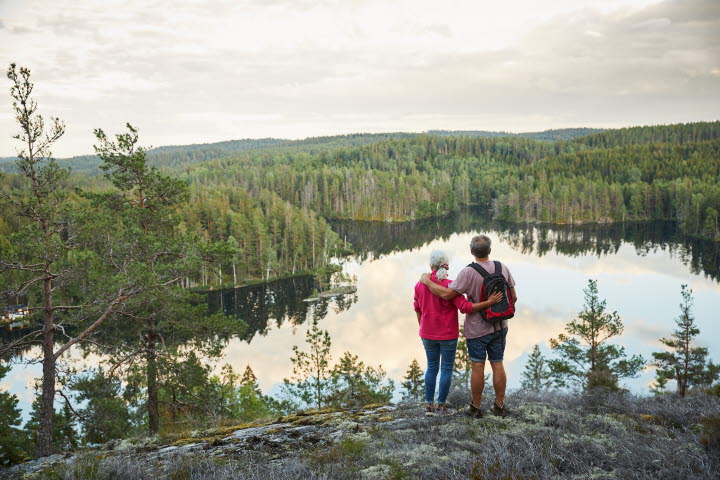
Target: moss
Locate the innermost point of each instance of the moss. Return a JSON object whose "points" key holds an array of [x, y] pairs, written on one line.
{"points": [[385, 419], [320, 411], [710, 433], [397, 471], [373, 406], [346, 451]]}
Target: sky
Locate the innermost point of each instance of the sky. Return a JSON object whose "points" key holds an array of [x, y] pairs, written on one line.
{"points": [[187, 71]]}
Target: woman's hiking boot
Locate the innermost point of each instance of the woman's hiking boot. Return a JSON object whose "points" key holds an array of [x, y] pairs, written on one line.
{"points": [[499, 411], [473, 411], [430, 410], [442, 409]]}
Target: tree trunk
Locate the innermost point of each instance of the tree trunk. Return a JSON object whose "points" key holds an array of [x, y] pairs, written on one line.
{"points": [[47, 398], [152, 387]]}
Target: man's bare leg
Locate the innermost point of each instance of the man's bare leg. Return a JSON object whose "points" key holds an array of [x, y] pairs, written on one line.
{"points": [[477, 383], [499, 382]]}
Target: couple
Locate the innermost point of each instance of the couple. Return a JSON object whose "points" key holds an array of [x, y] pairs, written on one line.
{"points": [[437, 301]]}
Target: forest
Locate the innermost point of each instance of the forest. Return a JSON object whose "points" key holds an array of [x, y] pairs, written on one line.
{"points": [[110, 259], [642, 173], [268, 201]]}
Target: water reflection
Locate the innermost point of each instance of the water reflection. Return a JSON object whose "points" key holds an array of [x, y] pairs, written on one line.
{"points": [[376, 239], [639, 266], [272, 304]]}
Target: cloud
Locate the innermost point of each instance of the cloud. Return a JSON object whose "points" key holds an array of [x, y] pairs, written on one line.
{"points": [[295, 69]]}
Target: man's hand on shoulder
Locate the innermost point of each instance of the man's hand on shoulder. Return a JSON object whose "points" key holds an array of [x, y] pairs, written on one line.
{"points": [[425, 279]]}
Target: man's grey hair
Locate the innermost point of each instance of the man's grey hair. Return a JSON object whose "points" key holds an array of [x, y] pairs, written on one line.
{"points": [[438, 261], [480, 246]]}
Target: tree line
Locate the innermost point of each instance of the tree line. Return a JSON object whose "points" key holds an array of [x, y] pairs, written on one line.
{"points": [[642, 173]]}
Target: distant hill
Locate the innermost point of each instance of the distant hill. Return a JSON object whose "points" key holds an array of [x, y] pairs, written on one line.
{"points": [[680, 133], [181, 156], [171, 156], [545, 136]]}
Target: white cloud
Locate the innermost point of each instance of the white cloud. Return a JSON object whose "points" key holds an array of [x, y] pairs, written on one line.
{"points": [[202, 71]]}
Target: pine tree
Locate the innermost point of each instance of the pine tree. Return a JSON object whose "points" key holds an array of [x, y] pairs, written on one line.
{"points": [[414, 383], [146, 204], [53, 257], [311, 369], [585, 357], [686, 364], [536, 375]]}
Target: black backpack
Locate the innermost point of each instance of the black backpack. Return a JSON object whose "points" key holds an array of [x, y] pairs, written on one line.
{"points": [[495, 282]]}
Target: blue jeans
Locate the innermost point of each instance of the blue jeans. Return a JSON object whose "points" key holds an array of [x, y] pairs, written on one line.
{"points": [[440, 356]]}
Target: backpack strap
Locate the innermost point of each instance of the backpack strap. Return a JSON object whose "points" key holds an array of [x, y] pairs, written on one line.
{"points": [[480, 269], [498, 267]]}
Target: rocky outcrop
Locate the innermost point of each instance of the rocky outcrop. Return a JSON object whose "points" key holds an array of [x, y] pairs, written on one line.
{"points": [[547, 436]]}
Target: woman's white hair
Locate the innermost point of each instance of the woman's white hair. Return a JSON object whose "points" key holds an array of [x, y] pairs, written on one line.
{"points": [[439, 261]]}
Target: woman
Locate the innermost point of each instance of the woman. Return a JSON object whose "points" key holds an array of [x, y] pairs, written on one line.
{"points": [[439, 330]]}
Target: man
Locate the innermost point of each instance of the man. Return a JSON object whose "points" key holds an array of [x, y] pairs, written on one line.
{"points": [[483, 341]]}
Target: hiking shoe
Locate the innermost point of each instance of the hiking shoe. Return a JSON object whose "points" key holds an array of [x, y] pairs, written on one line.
{"points": [[442, 409], [430, 411], [499, 411], [473, 411]]}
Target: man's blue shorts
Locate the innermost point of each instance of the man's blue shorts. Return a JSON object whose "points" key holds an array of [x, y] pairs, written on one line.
{"points": [[490, 346]]}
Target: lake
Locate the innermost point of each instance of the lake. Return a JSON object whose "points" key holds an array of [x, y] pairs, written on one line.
{"points": [[639, 268]]}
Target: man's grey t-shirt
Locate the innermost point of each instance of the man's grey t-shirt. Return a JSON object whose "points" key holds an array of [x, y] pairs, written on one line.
{"points": [[469, 282]]}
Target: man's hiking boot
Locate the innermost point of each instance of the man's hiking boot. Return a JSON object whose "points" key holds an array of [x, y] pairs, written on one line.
{"points": [[473, 411], [430, 411], [499, 411]]}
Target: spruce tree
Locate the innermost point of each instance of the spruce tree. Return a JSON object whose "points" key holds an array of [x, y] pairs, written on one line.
{"points": [[105, 414], [462, 370], [687, 364], [354, 384], [250, 379], [537, 375], [585, 358], [13, 440], [414, 382]]}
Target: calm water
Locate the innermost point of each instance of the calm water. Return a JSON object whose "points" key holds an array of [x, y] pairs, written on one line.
{"points": [[639, 267]]}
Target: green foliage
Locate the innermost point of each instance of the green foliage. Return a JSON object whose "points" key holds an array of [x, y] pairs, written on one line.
{"points": [[64, 437], [462, 369], [164, 315], [684, 363], [349, 383], [14, 443], [354, 384], [414, 382], [311, 380], [106, 414], [537, 375], [584, 357]]}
